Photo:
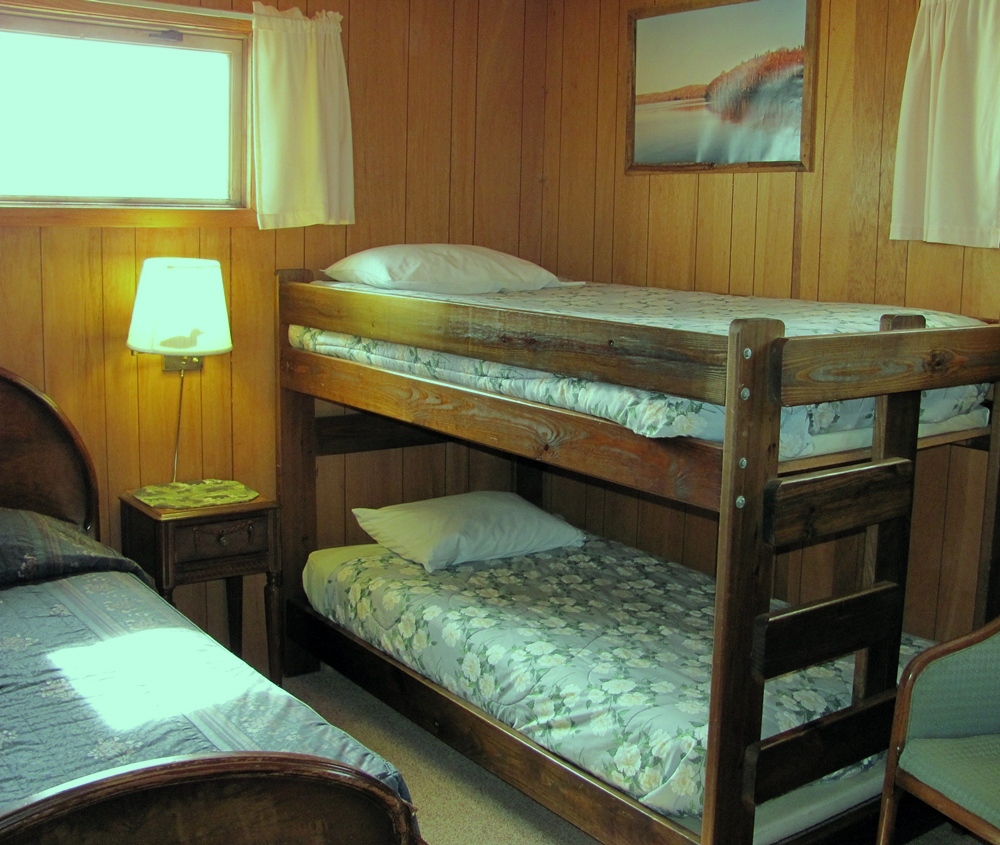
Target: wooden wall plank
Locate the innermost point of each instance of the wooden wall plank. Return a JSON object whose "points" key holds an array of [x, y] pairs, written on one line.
{"points": [[963, 522], [980, 291], [465, 61], [374, 479], [608, 92], [743, 250], [673, 230], [499, 70], [378, 75], [73, 329], [809, 186], [715, 232], [927, 541], [22, 343], [934, 276], [121, 380], [835, 271], [551, 145], [429, 84], [216, 380], [630, 263], [774, 254], [890, 282], [578, 139], [532, 132]]}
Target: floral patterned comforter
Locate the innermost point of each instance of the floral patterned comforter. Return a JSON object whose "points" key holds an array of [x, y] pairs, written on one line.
{"points": [[649, 413], [601, 654]]}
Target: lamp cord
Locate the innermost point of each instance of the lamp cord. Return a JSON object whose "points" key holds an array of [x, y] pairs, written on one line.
{"points": [[177, 435]]}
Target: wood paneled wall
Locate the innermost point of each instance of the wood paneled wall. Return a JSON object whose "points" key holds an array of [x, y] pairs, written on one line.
{"points": [[501, 122]]}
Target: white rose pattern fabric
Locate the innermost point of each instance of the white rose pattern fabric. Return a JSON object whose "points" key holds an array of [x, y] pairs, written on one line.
{"points": [[601, 654], [647, 413]]}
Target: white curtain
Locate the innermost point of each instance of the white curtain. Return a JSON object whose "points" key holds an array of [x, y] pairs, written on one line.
{"points": [[303, 156], [947, 179]]}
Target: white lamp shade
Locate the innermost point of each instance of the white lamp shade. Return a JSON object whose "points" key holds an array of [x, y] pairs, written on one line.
{"points": [[180, 308]]}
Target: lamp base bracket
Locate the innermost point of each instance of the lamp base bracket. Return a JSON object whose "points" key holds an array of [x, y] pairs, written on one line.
{"points": [[172, 363]]}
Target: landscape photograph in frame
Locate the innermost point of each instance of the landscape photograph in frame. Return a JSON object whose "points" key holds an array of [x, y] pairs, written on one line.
{"points": [[725, 86]]}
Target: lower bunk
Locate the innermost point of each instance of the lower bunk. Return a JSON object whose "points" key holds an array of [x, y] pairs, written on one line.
{"points": [[580, 675]]}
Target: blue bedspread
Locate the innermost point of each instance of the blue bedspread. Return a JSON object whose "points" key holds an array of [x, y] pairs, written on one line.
{"points": [[97, 671]]}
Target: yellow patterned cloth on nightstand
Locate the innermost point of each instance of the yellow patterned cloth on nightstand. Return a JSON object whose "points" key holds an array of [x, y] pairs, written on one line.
{"points": [[195, 494]]}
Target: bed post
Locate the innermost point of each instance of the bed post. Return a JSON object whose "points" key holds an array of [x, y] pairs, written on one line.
{"points": [[296, 482], [743, 575]]}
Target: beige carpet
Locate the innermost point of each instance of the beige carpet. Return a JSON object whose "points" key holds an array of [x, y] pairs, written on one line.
{"points": [[458, 802]]}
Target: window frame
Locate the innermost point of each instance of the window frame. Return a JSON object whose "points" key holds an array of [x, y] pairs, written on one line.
{"points": [[239, 210]]}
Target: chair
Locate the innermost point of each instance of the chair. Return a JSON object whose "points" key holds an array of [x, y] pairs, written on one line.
{"points": [[945, 747]]}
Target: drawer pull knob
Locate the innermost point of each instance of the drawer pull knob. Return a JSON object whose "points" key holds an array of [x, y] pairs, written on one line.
{"points": [[222, 536]]}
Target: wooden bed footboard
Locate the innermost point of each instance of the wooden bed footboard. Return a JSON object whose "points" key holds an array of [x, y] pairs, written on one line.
{"points": [[762, 511], [228, 799]]}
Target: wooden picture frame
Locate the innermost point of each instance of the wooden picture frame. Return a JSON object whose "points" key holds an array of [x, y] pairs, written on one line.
{"points": [[722, 85]]}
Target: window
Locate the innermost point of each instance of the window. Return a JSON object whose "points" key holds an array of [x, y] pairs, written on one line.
{"points": [[101, 112]]}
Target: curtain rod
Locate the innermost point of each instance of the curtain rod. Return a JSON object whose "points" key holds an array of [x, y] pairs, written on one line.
{"points": [[174, 7]]}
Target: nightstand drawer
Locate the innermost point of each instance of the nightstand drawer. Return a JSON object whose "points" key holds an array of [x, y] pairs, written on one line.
{"points": [[221, 539]]}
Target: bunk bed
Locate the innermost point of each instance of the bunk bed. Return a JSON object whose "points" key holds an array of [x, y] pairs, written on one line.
{"points": [[764, 505], [122, 721]]}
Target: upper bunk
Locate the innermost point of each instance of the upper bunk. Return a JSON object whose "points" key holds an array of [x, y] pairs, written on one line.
{"points": [[662, 360]]}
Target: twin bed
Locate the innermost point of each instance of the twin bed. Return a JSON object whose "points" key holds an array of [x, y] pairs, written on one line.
{"points": [[641, 701], [122, 721]]}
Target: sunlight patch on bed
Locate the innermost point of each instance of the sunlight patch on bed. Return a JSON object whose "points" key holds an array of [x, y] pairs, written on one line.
{"points": [[150, 675]]}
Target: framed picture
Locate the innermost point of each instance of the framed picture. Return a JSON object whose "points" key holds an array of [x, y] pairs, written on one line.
{"points": [[722, 85]]}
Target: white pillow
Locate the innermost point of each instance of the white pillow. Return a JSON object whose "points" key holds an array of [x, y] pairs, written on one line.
{"points": [[441, 268], [443, 532]]}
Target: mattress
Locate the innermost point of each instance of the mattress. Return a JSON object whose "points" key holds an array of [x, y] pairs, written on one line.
{"points": [[806, 430], [97, 671], [601, 654]]}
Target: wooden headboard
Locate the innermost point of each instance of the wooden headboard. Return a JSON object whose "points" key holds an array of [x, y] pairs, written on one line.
{"points": [[44, 464]]}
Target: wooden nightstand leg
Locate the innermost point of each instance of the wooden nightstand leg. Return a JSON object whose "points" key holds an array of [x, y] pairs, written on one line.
{"points": [[272, 609], [234, 610]]}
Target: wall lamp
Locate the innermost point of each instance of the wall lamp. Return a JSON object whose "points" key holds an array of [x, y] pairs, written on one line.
{"points": [[180, 313]]}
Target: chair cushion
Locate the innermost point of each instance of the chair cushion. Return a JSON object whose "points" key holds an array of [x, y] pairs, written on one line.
{"points": [[965, 770]]}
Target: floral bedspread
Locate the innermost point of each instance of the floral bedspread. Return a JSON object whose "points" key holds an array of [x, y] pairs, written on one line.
{"points": [[601, 654], [648, 413]]}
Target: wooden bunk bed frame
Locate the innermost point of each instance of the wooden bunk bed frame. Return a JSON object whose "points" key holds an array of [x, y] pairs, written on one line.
{"points": [[761, 508], [225, 798]]}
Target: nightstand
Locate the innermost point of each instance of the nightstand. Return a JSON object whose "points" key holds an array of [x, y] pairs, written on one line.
{"points": [[178, 546]]}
